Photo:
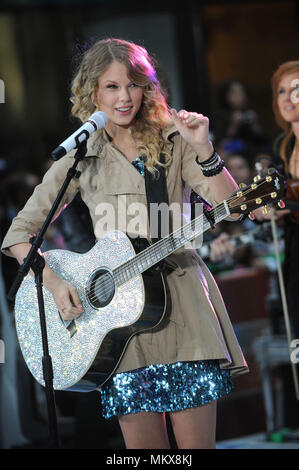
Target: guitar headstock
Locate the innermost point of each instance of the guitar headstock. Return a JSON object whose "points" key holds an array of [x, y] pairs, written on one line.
{"points": [[263, 190]]}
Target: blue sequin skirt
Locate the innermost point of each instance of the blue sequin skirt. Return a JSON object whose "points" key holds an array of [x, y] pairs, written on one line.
{"points": [[165, 387]]}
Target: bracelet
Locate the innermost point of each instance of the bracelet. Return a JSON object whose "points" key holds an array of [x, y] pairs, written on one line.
{"points": [[213, 158], [211, 167], [215, 171]]}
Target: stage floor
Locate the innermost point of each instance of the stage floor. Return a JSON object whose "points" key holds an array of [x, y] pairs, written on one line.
{"points": [[256, 441]]}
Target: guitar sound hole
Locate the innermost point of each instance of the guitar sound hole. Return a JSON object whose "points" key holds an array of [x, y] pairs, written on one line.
{"points": [[101, 288]]}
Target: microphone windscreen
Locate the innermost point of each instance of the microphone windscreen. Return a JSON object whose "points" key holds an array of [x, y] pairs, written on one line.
{"points": [[99, 118]]}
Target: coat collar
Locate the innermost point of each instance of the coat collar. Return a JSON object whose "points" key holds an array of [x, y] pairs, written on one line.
{"points": [[169, 132], [98, 145], [98, 140]]}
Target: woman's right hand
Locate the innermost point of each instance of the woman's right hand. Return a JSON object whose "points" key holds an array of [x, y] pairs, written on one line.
{"points": [[220, 248], [66, 298], [65, 295], [278, 215]]}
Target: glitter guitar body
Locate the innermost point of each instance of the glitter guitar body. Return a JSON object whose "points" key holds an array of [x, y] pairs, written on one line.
{"points": [[86, 351], [120, 294]]}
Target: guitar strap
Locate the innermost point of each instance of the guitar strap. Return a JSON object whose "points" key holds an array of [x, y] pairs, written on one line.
{"points": [[156, 193]]}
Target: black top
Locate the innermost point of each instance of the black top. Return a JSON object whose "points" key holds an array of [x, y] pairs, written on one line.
{"points": [[291, 261]]}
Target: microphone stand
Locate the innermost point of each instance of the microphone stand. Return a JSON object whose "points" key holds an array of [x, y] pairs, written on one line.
{"points": [[37, 263], [284, 299], [258, 167]]}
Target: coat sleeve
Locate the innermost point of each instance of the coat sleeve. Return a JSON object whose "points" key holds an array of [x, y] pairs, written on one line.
{"points": [[192, 175], [31, 218]]}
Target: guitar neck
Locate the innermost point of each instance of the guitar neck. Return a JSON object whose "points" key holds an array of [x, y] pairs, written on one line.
{"points": [[168, 245], [269, 189]]}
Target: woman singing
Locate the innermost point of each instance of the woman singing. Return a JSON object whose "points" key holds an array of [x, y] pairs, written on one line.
{"points": [[186, 366]]}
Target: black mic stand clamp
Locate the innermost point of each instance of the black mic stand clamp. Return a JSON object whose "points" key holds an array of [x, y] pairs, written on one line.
{"points": [[37, 263]]}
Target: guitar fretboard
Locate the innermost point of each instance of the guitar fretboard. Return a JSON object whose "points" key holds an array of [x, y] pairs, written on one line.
{"points": [[167, 245]]}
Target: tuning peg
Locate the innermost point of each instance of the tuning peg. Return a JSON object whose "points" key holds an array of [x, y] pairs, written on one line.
{"points": [[266, 210], [273, 195], [242, 185], [257, 178], [251, 216], [281, 204], [243, 207]]}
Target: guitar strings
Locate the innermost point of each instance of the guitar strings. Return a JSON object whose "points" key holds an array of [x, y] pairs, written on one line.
{"points": [[108, 283], [123, 269]]}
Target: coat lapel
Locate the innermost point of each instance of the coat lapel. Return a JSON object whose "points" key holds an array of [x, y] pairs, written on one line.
{"points": [[121, 177]]}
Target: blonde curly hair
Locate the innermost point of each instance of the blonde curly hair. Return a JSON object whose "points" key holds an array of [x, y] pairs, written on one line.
{"points": [[153, 115]]}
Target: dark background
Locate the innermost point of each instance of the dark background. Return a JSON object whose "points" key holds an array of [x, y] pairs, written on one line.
{"points": [[197, 44]]}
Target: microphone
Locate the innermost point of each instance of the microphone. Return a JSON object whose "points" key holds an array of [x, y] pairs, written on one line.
{"points": [[96, 121]]}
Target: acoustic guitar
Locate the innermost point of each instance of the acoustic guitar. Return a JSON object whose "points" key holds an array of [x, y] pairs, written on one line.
{"points": [[120, 294]]}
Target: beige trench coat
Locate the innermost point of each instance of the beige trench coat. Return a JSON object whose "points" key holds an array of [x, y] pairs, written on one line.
{"points": [[199, 326]]}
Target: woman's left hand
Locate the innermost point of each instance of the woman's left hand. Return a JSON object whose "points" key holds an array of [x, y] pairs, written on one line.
{"points": [[194, 128]]}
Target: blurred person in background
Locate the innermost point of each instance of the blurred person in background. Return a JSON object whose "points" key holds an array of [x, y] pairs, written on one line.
{"points": [[285, 92], [264, 160], [15, 190], [226, 251], [239, 168], [285, 103], [235, 121]]}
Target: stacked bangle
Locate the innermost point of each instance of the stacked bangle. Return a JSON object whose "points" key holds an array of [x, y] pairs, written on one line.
{"points": [[211, 167]]}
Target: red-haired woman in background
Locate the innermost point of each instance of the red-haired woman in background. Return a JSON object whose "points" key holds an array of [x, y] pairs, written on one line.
{"points": [[285, 88]]}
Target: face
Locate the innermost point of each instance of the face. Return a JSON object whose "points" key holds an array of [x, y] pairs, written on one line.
{"points": [[239, 169], [236, 96], [118, 96], [288, 97]]}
